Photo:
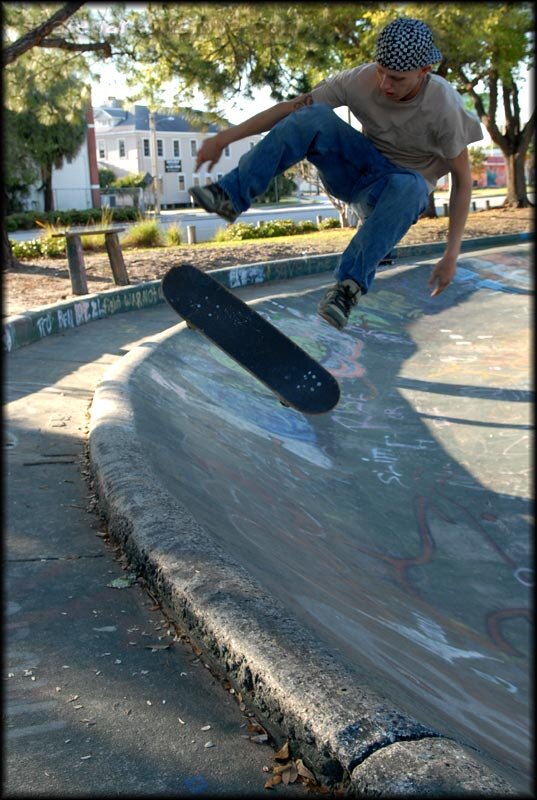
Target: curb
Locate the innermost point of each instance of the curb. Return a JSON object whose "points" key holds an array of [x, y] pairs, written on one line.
{"points": [[348, 735], [32, 326]]}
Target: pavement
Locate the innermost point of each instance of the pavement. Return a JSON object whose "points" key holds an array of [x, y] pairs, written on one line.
{"points": [[383, 633]]}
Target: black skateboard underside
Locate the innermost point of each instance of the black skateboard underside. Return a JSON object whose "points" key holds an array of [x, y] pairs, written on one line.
{"points": [[257, 345]]}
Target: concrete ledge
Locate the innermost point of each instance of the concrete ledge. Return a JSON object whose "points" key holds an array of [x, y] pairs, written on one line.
{"points": [[45, 321], [37, 324], [297, 687], [439, 767]]}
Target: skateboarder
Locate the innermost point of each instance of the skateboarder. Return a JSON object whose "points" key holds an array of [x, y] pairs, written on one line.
{"points": [[415, 130]]}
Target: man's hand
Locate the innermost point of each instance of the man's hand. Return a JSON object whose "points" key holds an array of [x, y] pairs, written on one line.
{"points": [[210, 151], [442, 275]]}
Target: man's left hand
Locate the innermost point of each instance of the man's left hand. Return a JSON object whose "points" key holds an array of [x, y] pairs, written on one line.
{"points": [[442, 275]]}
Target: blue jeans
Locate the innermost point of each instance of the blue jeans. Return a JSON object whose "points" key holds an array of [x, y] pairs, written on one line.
{"points": [[389, 198]]}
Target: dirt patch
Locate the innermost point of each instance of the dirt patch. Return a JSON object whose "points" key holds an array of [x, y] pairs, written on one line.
{"points": [[46, 281]]}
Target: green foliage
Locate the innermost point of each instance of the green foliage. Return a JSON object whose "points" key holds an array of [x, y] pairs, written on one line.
{"points": [[26, 220], [44, 247], [106, 177], [280, 186], [146, 233], [46, 96], [328, 223], [277, 227], [173, 236], [134, 180]]}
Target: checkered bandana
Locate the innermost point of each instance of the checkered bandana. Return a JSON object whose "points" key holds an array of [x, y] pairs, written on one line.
{"points": [[406, 44]]}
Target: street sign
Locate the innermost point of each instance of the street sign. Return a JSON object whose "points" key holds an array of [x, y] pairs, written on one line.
{"points": [[172, 165]]}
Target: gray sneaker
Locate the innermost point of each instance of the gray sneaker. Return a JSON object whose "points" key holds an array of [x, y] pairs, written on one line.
{"points": [[338, 303], [215, 200]]}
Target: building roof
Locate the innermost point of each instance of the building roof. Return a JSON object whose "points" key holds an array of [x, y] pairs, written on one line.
{"points": [[137, 119]]}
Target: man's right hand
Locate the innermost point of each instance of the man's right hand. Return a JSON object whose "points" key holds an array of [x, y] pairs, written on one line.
{"points": [[210, 151]]}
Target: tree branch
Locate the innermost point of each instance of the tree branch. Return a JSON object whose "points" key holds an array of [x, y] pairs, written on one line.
{"points": [[36, 35], [79, 47]]}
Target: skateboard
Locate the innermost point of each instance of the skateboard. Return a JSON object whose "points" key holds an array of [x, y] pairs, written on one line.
{"points": [[258, 346]]}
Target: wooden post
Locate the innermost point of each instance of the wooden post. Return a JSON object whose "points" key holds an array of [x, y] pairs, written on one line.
{"points": [[77, 268], [446, 210], [115, 256], [191, 234], [474, 205], [487, 203], [318, 219]]}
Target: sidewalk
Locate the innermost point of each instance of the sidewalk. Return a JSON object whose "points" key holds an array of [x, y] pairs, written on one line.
{"points": [[101, 697]]}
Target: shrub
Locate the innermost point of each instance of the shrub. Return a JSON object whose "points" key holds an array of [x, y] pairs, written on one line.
{"points": [[44, 247], [237, 232], [278, 227], [173, 235], [329, 222], [26, 220], [306, 226], [146, 233]]}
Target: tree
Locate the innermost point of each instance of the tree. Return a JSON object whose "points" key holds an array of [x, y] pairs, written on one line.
{"points": [[478, 158], [43, 90], [483, 45], [230, 48]]}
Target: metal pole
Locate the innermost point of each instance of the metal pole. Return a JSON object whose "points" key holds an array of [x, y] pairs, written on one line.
{"points": [[154, 161]]}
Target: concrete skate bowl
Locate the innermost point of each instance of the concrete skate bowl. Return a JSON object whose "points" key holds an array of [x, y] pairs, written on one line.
{"points": [[396, 527]]}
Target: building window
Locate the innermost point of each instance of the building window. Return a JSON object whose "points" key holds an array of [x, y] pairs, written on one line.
{"points": [[160, 148], [176, 148], [101, 149], [227, 151], [208, 179], [193, 147], [252, 144], [195, 180], [147, 151], [219, 176], [181, 179], [121, 148]]}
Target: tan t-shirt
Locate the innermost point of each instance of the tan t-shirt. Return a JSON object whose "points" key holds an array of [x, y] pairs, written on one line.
{"points": [[418, 134]]}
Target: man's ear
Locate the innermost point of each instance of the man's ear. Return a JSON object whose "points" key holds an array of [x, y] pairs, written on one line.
{"points": [[426, 69]]}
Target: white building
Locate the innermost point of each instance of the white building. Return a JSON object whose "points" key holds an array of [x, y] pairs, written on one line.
{"points": [[125, 144]]}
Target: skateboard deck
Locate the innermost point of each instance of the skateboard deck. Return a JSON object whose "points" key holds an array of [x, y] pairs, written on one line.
{"points": [[253, 342]]}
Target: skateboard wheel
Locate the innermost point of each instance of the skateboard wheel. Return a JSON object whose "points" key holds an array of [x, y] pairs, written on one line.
{"points": [[189, 325], [283, 403]]}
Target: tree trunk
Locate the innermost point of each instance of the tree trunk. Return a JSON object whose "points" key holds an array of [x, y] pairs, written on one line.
{"points": [[8, 259], [48, 196], [430, 211], [517, 196]]}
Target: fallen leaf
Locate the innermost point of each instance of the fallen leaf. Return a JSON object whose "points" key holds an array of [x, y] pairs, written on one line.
{"points": [[279, 769], [290, 775], [157, 646], [206, 728], [303, 771], [254, 727], [209, 744], [283, 753]]}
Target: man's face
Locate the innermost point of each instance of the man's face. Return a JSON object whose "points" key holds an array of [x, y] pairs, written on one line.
{"points": [[401, 85]]}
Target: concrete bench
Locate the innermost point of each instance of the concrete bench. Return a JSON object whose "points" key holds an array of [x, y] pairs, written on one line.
{"points": [[75, 257]]}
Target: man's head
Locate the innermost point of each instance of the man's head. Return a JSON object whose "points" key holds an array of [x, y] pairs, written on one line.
{"points": [[404, 55]]}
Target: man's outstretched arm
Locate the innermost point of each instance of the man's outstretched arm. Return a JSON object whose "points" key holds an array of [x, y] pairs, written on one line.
{"points": [[459, 205], [212, 148]]}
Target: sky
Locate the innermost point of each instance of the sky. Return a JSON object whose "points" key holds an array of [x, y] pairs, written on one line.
{"points": [[113, 84]]}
